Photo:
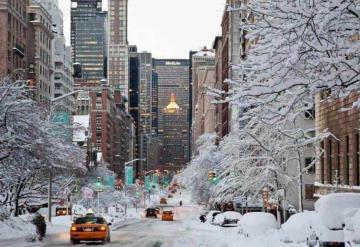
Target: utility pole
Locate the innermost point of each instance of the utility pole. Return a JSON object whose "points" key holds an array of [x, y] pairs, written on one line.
{"points": [[50, 194], [50, 168]]}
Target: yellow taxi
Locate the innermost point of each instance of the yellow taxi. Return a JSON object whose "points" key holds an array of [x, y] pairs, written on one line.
{"points": [[167, 216], [90, 228]]}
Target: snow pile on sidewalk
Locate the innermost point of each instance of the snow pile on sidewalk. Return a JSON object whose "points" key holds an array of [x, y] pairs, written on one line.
{"points": [[17, 227]]}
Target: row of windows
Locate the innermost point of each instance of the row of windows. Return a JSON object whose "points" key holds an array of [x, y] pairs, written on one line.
{"points": [[336, 159]]}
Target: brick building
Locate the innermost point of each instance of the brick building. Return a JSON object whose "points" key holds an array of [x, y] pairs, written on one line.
{"points": [[111, 127], [338, 168], [13, 48]]}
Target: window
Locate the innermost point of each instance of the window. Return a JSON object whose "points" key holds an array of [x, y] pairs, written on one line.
{"points": [[309, 192], [322, 163], [357, 161], [310, 113], [346, 168], [308, 161], [330, 160]]}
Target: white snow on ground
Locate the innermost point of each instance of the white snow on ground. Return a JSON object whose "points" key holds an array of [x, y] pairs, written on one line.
{"points": [[16, 227]]}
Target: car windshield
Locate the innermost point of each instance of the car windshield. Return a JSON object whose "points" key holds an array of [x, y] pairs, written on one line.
{"points": [[90, 220], [167, 212]]}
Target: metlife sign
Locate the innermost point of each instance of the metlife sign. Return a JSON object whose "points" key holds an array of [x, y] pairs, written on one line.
{"points": [[172, 63]]}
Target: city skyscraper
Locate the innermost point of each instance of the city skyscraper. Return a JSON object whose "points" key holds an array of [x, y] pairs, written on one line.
{"points": [[173, 79], [174, 153], [88, 39], [118, 58]]}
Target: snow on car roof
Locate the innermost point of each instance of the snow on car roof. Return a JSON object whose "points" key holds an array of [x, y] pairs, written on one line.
{"points": [[331, 208]]}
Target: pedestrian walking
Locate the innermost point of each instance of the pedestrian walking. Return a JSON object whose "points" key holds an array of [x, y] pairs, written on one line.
{"points": [[180, 203]]}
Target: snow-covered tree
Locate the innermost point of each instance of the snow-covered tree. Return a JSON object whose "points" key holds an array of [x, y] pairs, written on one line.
{"points": [[299, 48], [29, 149], [195, 176]]}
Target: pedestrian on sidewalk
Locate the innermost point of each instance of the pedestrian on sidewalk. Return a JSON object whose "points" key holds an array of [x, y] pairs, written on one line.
{"points": [[180, 203]]}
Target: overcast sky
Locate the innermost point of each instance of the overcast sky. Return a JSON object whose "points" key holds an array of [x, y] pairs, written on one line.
{"points": [[168, 28]]}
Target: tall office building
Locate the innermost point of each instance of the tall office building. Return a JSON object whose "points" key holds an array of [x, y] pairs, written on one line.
{"points": [[118, 54], [173, 78], [134, 97], [154, 102], [174, 151], [13, 46], [88, 39]]}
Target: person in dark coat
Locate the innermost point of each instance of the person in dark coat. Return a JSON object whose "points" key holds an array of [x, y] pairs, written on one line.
{"points": [[202, 218]]}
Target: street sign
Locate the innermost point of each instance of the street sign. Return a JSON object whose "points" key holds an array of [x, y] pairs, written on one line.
{"points": [[110, 181], [147, 183], [129, 175]]}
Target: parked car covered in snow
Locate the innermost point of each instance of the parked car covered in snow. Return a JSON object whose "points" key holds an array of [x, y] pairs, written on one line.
{"points": [[211, 216], [227, 218], [256, 223], [328, 224], [294, 230], [352, 227]]}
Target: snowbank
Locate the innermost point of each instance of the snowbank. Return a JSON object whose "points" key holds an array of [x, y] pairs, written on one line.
{"points": [[17, 227], [296, 227], [257, 223], [331, 208]]}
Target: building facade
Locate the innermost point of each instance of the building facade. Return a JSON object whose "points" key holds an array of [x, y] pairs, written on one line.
{"points": [[338, 168], [173, 154], [13, 36], [221, 125], [62, 77], [118, 54], [88, 39], [173, 78], [111, 127], [203, 63], [39, 39]]}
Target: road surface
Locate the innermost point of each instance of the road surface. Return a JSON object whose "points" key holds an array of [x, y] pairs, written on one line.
{"points": [[142, 232]]}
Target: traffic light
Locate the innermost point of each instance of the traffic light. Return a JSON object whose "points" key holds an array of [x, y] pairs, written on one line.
{"points": [[211, 175]]}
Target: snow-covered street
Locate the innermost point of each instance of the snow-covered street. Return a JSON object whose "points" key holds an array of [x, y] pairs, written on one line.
{"points": [[185, 231]]}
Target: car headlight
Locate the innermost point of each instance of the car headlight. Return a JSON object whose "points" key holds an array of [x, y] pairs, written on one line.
{"points": [[73, 228], [102, 228]]}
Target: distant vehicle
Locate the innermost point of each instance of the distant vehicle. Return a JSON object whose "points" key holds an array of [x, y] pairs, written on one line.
{"points": [[151, 212], [167, 216], [227, 206], [170, 196], [211, 216], [173, 191], [163, 201], [227, 219], [90, 228], [61, 211], [256, 223], [328, 225]]}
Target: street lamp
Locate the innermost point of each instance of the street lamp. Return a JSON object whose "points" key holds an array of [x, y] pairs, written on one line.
{"points": [[50, 168]]}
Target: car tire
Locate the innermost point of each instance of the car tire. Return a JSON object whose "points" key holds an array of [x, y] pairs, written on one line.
{"points": [[74, 242]]}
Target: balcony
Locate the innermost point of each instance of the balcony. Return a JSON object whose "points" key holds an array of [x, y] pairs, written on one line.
{"points": [[19, 50]]}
